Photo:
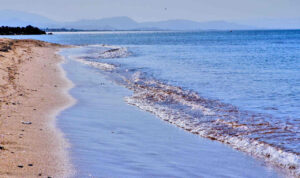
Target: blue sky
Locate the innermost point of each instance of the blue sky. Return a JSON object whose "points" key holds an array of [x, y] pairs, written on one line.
{"points": [[154, 10]]}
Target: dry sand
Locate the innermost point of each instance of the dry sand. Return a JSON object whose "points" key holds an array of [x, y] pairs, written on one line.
{"points": [[33, 89]]}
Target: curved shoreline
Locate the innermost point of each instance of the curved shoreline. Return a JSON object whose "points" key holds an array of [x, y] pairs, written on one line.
{"points": [[34, 90], [144, 145], [149, 93]]}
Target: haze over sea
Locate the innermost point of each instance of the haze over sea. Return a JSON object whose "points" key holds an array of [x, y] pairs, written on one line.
{"points": [[241, 88]]}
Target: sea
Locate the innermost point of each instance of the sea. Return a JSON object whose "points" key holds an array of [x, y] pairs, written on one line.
{"points": [[183, 104]]}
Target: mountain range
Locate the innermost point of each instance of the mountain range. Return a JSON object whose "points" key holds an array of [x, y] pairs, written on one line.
{"points": [[18, 18]]}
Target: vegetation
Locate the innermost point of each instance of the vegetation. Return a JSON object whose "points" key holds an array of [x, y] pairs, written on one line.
{"points": [[62, 30], [29, 30]]}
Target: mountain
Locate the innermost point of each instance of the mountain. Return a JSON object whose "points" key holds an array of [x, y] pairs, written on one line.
{"points": [[114, 23], [192, 25], [17, 18], [125, 23]]}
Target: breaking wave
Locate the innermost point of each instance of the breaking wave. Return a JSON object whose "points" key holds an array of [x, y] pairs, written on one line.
{"points": [[275, 140], [109, 51], [99, 65], [252, 133]]}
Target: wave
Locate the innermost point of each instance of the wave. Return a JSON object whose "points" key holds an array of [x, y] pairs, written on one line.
{"points": [[99, 65], [110, 52], [275, 140], [248, 132]]}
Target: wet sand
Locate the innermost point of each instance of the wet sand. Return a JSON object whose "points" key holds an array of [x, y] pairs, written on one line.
{"points": [[33, 89]]}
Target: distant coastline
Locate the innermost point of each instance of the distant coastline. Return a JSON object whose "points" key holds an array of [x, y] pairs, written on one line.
{"points": [[28, 30]]}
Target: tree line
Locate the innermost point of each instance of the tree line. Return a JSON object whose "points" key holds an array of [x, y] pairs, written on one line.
{"points": [[28, 30]]}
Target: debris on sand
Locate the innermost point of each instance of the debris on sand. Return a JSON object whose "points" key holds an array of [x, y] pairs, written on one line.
{"points": [[26, 123]]}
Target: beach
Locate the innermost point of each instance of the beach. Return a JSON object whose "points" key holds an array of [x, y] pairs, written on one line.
{"points": [[33, 89], [150, 104]]}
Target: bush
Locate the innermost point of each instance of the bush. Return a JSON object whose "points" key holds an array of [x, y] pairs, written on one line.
{"points": [[29, 30]]}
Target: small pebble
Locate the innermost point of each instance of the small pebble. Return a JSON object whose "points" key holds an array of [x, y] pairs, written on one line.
{"points": [[20, 166], [30, 164]]}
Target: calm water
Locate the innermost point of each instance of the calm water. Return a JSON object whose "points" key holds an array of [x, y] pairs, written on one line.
{"points": [[240, 88]]}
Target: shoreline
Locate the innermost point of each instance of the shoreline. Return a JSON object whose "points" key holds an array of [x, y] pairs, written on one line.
{"points": [[145, 98], [34, 90], [143, 143]]}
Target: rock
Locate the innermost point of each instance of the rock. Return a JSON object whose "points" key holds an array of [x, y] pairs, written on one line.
{"points": [[26, 123], [1, 147], [20, 166], [30, 165], [5, 48]]}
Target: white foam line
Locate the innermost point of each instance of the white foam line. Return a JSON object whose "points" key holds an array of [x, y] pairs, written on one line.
{"points": [[273, 156], [99, 65]]}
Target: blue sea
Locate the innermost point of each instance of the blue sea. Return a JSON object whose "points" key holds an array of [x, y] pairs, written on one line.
{"points": [[240, 88]]}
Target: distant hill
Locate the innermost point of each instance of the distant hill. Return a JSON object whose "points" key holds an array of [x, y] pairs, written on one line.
{"points": [[17, 18], [125, 23], [192, 25], [114, 23]]}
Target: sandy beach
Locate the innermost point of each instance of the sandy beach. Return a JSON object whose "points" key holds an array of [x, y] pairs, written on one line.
{"points": [[33, 89]]}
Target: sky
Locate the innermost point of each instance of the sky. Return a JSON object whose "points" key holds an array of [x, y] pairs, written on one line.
{"points": [[156, 10]]}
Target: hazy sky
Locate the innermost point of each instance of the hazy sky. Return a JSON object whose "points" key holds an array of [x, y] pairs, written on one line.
{"points": [[153, 10]]}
